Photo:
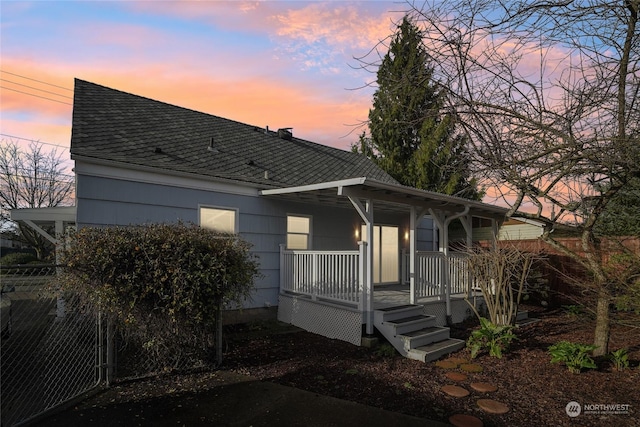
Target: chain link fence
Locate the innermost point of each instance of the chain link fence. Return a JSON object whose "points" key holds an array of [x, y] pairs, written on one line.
{"points": [[51, 348]]}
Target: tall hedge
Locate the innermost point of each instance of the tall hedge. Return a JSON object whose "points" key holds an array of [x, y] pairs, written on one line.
{"points": [[161, 283]]}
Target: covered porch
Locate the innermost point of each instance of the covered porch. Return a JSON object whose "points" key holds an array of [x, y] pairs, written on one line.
{"points": [[329, 291]]}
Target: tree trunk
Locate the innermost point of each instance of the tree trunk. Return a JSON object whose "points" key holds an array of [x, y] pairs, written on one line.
{"points": [[603, 324]]}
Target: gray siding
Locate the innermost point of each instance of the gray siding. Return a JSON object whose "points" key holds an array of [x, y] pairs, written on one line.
{"points": [[262, 221]]}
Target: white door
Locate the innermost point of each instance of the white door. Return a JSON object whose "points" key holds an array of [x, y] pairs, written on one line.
{"points": [[386, 253]]}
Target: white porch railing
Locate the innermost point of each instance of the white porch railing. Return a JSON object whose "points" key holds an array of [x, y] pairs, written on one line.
{"points": [[338, 276], [333, 276], [431, 277]]}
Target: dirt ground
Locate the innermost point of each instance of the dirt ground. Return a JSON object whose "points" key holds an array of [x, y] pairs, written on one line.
{"points": [[536, 391]]}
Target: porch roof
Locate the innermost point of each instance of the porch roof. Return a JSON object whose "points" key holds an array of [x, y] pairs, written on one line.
{"points": [[388, 197], [45, 216]]}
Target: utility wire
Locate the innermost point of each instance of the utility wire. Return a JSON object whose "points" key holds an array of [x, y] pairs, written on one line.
{"points": [[39, 81], [37, 96], [40, 178], [35, 88], [33, 140]]}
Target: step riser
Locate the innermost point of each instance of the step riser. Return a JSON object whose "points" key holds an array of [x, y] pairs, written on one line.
{"points": [[403, 328], [429, 356], [414, 342], [395, 315]]}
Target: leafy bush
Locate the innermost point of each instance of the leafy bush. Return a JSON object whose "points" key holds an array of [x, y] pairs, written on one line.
{"points": [[385, 350], [18, 258], [162, 284], [620, 359], [574, 355], [495, 338], [572, 310]]}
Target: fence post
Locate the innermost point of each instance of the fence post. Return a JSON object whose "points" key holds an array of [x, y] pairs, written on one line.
{"points": [[110, 352]]}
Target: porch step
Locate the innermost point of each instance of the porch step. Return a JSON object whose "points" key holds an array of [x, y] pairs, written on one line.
{"points": [[435, 350], [399, 311], [413, 333], [410, 324], [424, 336]]}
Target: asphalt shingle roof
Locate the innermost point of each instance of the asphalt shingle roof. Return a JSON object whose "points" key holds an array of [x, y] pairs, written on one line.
{"points": [[117, 126]]}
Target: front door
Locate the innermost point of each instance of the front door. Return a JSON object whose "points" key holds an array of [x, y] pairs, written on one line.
{"points": [[386, 253]]}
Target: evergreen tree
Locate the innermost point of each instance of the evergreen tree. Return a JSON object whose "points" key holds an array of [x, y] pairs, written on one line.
{"points": [[622, 215], [412, 137]]}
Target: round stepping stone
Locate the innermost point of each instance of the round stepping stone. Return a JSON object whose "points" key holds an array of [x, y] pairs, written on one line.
{"points": [[471, 367], [457, 360], [455, 391], [493, 406], [456, 376], [483, 387], [445, 364], [462, 420]]}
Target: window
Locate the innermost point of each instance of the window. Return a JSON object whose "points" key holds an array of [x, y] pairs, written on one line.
{"points": [[218, 219], [298, 232]]}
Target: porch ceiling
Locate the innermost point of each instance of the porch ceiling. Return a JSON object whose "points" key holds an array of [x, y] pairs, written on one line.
{"points": [[387, 197]]}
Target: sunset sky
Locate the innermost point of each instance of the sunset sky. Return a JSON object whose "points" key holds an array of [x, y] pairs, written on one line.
{"points": [[275, 63]]}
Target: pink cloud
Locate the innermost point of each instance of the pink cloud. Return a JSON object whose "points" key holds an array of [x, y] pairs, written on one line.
{"points": [[259, 101], [338, 24]]}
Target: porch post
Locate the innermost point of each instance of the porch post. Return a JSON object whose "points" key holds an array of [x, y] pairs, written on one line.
{"points": [[412, 256], [362, 273], [468, 228], [369, 265], [366, 213], [282, 266], [444, 248], [439, 219], [416, 216]]}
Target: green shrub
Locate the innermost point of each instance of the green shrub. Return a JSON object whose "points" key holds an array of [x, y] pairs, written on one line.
{"points": [[575, 356], [385, 350], [162, 284], [494, 338], [18, 258], [572, 310], [620, 359]]}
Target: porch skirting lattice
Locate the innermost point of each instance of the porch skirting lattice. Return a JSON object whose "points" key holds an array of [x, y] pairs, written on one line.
{"points": [[321, 318]]}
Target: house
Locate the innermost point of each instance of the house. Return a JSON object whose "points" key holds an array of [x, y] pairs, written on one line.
{"points": [[329, 227], [511, 229]]}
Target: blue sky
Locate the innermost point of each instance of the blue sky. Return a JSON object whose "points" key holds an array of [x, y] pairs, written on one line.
{"points": [[275, 63]]}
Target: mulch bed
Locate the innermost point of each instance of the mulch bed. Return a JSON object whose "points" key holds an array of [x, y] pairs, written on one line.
{"points": [[535, 391]]}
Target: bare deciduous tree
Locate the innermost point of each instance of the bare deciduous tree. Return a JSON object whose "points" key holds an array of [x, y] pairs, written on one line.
{"points": [[31, 178], [548, 91], [501, 274]]}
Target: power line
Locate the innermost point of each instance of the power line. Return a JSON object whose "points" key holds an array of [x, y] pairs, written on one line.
{"points": [[40, 178], [39, 81], [30, 94], [35, 88], [34, 140]]}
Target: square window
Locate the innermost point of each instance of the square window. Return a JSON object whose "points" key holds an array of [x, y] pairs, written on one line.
{"points": [[298, 232], [218, 219]]}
